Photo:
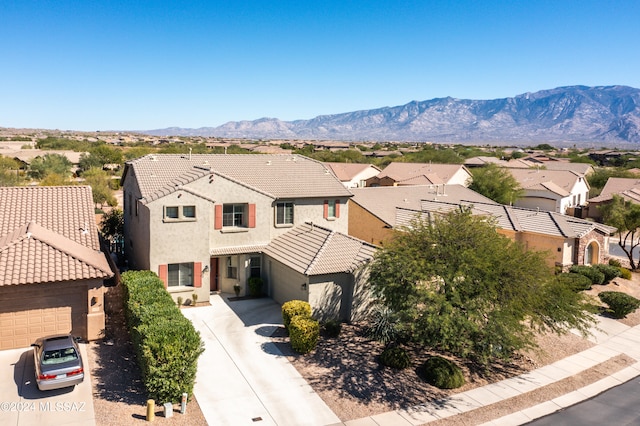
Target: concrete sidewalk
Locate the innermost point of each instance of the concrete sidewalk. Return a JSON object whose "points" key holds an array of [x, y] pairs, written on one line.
{"points": [[243, 378]]}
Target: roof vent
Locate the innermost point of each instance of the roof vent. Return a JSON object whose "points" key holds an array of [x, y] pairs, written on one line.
{"points": [[153, 158]]}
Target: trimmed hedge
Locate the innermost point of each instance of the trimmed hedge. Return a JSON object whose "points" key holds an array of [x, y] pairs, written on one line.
{"points": [[294, 308], [441, 373], [620, 304], [610, 272], [166, 344], [576, 282], [593, 274], [395, 357], [304, 333]]}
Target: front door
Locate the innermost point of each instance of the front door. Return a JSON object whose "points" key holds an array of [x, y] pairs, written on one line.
{"points": [[213, 278]]}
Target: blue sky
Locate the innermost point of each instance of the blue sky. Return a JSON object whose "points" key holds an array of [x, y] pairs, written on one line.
{"points": [[137, 65]]}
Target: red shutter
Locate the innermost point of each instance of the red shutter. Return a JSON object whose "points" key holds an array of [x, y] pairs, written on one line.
{"points": [[163, 273], [326, 209], [218, 217], [252, 215], [197, 274], [337, 209]]}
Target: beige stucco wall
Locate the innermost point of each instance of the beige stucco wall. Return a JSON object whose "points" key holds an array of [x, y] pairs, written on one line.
{"points": [[367, 227]]}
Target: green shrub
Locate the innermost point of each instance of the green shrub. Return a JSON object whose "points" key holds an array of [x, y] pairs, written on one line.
{"points": [[441, 373], [294, 308], [610, 272], [395, 357], [383, 326], [575, 282], [332, 328], [615, 262], [166, 344], [304, 333], [593, 274], [625, 273], [620, 304], [255, 286]]}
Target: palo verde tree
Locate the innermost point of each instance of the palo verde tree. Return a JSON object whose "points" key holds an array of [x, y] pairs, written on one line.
{"points": [[625, 216], [458, 286], [496, 183]]}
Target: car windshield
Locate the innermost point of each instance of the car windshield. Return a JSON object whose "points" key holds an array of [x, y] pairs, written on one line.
{"points": [[58, 356]]}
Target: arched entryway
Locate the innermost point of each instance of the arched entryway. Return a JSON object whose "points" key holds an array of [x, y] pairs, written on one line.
{"points": [[592, 253]]}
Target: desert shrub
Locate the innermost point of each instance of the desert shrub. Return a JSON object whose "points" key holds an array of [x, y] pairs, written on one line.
{"points": [[332, 328], [304, 333], [625, 273], [620, 304], [593, 274], [383, 326], [294, 308], [575, 282], [395, 357], [615, 262], [441, 373], [610, 272], [166, 344], [255, 286]]}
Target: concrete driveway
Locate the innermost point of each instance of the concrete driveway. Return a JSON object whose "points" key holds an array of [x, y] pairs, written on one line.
{"points": [[22, 403], [243, 378]]}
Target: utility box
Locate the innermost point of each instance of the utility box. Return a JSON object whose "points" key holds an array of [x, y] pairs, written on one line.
{"points": [[168, 409]]}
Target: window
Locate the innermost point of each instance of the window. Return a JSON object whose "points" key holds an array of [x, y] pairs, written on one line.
{"points": [[177, 213], [232, 271], [180, 274], [284, 213], [233, 215], [331, 209]]}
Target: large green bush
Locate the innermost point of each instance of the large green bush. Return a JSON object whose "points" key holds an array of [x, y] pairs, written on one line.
{"points": [[576, 282], [620, 304], [294, 308], [395, 357], [593, 274], [304, 333], [441, 373], [610, 272], [166, 344]]}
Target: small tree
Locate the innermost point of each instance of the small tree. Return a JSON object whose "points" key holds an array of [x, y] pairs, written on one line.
{"points": [[459, 286], [625, 216], [112, 229], [496, 183], [49, 163]]}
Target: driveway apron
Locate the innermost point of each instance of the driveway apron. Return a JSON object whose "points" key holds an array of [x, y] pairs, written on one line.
{"points": [[243, 378]]}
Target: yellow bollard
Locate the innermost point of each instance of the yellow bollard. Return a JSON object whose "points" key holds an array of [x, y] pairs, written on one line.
{"points": [[151, 410]]}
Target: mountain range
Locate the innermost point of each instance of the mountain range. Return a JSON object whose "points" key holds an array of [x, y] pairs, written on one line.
{"points": [[605, 115]]}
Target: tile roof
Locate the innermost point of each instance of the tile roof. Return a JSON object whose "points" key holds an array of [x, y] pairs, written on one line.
{"points": [[226, 251], [405, 171], [347, 171], [48, 234], [628, 188], [313, 250], [514, 218], [382, 201], [560, 182], [276, 175]]}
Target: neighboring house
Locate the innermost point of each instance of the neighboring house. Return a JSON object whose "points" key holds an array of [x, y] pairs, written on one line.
{"points": [[399, 174], [372, 211], [52, 271], [482, 161], [558, 191], [327, 269], [203, 222], [627, 188], [567, 240], [353, 175]]}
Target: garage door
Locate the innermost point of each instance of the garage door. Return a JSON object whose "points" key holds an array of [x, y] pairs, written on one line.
{"points": [[20, 329], [29, 312]]}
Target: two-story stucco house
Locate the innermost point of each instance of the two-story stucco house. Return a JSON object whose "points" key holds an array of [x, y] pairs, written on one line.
{"points": [[203, 222], [551, 190]]}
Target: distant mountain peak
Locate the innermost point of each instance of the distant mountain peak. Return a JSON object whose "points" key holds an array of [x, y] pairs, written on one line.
{"points": [[604, 115]]}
